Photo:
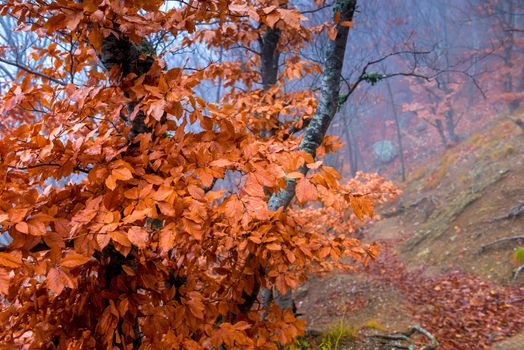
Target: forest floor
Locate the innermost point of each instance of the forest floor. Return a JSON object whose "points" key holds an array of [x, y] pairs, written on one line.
{"points": [[433, 270]]}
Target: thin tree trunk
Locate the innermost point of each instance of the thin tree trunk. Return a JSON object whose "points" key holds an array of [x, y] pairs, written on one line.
{"points": [[449, 114], [359, 160], [450, 124], [399, 134], [352, 153], [440, 129]]}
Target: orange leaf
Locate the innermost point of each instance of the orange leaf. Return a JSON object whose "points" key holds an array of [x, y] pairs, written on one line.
{"points": [[295, 175], [193, 228], [54, 281], [324, 252], [74, 260], [110, 182], [273, 246], [10, 260], [252, 187], [120, 238], [362, 206], [290, 255], [122, 174], [306, 191], [291, 17], [4, 281], [234, 208], [102, 240], [336, 17], [17, 215], [332, 33], [138, 236], [221, 163], [196, 192], [272, 18], [167, 239], [195, 305], [22, 227]]}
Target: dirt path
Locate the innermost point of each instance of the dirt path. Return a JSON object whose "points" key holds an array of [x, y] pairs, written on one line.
{"points": [[462, 311]]}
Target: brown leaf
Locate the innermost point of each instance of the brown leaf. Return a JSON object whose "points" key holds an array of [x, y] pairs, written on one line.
{"points": [[54, 281], [10, 260], [74, 260], [306, 191], [138, 236], [4, 281]]}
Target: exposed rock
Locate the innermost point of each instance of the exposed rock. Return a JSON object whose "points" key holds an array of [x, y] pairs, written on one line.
{"points": [[385, 151]]}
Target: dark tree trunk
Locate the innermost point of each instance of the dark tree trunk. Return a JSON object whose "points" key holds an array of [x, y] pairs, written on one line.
{"points": [[128, 56], [270, 55]]}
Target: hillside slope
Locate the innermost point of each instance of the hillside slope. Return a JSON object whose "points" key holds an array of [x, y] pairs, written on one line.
{"points": [[433, 270]]}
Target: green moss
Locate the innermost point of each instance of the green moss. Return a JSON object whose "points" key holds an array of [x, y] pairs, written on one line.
{"points": [[373, 324], [518, 255], [334, 336]]}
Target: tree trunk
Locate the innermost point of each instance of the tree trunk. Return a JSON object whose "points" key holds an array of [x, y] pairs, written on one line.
{"points": [[440, 129], [399, 134], [326, 109], [450, 125], [127, 55], [449, 114], [270, 55], [352, 151]]}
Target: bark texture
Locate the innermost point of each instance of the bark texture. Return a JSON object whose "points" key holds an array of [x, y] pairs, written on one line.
{"points": [[127, 55], [328, 100], [270, 56]]}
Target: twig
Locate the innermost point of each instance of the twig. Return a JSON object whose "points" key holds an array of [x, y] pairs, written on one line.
{"points": [[513, 238], [517, 271], [30, 71], [317, 9], [47, 164], [405, 336]]}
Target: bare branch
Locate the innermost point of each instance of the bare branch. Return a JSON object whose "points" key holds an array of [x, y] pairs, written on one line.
{"points": [[317, 9], [505, 239], [77, 168], [30, 71]]}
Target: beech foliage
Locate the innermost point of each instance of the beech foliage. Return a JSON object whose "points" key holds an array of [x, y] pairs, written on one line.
{"points": [[140, 248]]}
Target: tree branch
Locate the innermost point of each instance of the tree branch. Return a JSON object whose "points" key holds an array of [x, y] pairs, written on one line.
{"points": [[505, 239], [30, 71], [317, 9], [77, 168]]}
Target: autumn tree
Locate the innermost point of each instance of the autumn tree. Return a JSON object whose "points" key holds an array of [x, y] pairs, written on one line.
{"points": [[139, 249]]}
